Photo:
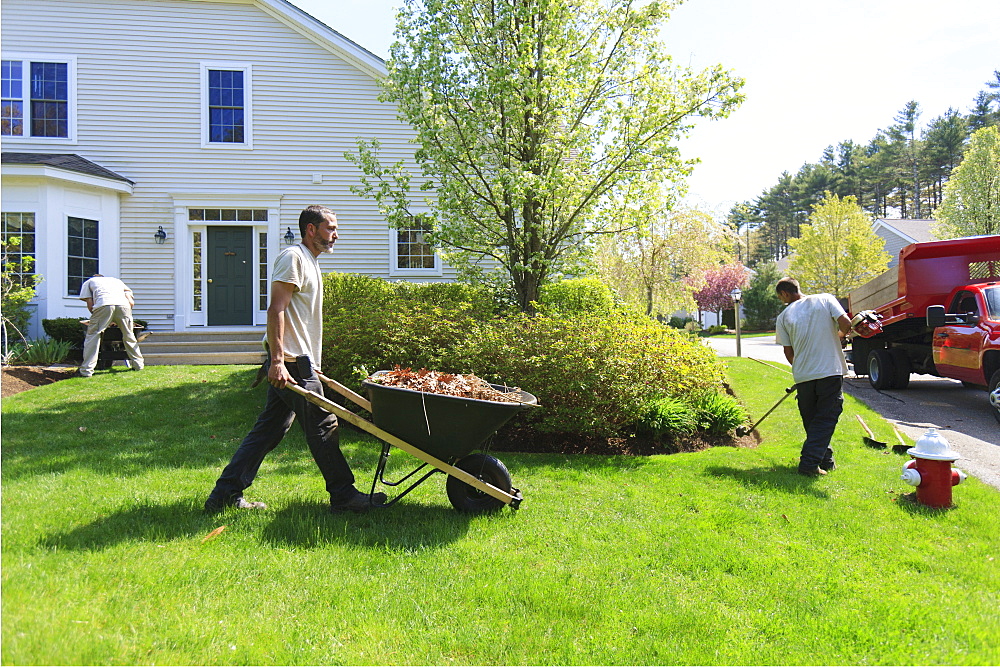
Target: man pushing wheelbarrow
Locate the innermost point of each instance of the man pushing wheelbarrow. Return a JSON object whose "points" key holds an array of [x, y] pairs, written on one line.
{"points": [[294, 343]]}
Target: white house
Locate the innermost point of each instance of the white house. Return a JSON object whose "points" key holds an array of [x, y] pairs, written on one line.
{"points": [[215, 121]]}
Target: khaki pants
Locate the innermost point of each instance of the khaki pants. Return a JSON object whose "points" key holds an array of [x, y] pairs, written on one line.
{"points": [[100, 320]]}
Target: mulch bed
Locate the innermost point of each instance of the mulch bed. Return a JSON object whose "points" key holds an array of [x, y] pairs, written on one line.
{"points": [[521, 439], [20, 378]]}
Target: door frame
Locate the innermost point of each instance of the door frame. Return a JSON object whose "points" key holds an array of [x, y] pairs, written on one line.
{"points": [[187, 315]]}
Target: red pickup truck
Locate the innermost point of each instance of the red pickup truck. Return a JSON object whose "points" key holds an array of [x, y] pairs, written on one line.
{"points": [[940, 315]]}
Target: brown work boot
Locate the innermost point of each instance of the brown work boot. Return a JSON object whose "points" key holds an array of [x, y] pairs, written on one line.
{"points": [[812, 471]]}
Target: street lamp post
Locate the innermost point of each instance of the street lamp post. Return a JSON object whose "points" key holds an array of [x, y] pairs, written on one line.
{"points": [[737, 296]]}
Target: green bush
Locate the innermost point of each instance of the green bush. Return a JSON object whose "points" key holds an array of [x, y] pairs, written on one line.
{"points": [[40, 352], [577, 295], [591, 373], [678, 322], [718, 413], [667, 417], [71, 331]]}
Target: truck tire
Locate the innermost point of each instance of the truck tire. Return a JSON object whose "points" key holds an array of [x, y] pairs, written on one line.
{"points": [[901, 370], [995, 394], [880, 369]]}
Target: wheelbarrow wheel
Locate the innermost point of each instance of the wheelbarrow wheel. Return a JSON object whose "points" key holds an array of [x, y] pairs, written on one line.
{"points": [[489, 469]]}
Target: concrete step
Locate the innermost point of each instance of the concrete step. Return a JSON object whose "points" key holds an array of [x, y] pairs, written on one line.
{"points": [[204, 347], [155, 359]]}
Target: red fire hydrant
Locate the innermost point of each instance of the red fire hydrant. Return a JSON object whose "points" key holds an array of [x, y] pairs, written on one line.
{"points": [[930, 470]]}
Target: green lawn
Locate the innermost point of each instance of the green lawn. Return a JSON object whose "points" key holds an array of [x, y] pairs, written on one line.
{"points": [[720, 557]]}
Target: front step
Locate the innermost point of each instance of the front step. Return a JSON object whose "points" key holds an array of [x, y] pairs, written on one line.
{"points": [[208, 347]]}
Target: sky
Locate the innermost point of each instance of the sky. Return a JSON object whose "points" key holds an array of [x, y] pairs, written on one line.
{"points": [[817, 73]]}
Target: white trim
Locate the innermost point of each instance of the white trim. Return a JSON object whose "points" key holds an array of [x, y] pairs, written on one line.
{"points": [[247, 69], [185, 317], [396, 272], [880, 222], [71, 121], [60, 174]]}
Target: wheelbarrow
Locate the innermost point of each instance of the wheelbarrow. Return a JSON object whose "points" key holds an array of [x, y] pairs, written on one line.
{"points": [[440, 430]]}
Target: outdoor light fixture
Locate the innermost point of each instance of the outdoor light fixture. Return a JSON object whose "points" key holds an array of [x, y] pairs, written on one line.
{"points": [[289, 237], [160, 236], [737, 295]]}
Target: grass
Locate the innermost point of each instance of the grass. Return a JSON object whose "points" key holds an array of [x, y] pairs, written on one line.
{"points": [[723, 557]]}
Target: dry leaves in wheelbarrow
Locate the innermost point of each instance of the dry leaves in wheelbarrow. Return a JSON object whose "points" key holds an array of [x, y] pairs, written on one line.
{"points": [[454, 384]]}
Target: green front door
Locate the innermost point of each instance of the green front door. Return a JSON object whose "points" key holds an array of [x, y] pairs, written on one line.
{"points": [[230, 276]]}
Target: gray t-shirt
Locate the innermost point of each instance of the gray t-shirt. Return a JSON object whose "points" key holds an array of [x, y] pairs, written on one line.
{"points": [[105, 291], [809, 326], [304, 315]]}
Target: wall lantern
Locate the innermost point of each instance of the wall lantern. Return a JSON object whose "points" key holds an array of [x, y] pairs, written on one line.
{"points": [[289, 237], [160, 236]]}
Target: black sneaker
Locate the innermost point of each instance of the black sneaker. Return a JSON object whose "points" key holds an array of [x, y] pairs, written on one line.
{"points": [[213, 505], [359, 503], [828, 466]]}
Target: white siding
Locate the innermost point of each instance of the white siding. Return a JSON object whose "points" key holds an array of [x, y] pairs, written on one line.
{"points": [[138, 97]]}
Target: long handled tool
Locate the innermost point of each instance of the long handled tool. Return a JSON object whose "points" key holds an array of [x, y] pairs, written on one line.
{"points": [[870, 438], [743, 431]]}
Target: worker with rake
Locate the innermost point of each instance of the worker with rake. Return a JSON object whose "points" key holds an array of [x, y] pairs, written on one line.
{"points": [[294, 343], [810, 328]]}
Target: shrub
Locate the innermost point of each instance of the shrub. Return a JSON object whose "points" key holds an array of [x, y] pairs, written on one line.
{"points": [[667, 417], [592, 373], [718, 413], [71, 331], [678, 322], [577, 295], [714, 329], [41, 352]]}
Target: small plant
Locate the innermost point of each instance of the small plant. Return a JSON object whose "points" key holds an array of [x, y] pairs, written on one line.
{"points": [[41, 352], [718, 413], [668, 417], [714, 329], [676, 322]]}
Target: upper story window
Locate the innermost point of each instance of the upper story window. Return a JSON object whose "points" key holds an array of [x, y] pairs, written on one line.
{"points": [[38, 97], [226, 110]]}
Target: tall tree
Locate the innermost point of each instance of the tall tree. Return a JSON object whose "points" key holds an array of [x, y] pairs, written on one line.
{"points": [[944, 140], [971, 203], [647, 267], [539, 123], [838, 250], [981, 113], [906, 130]]}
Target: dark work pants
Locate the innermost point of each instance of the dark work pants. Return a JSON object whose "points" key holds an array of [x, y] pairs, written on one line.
{"points": [[280, 409], [821, 402]]}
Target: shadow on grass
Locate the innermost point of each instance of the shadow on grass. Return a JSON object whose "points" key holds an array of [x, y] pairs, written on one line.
{"points": [[125, 424], [145, 522], [405, 527], [784, 478]]}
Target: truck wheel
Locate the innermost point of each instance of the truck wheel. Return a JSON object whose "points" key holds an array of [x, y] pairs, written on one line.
{"points": [[489, 469], [901, 369], [880, 369], [995, 394]]}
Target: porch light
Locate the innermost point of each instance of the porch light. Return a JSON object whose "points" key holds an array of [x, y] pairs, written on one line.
{"points": [[289, 237], [160, 236]]}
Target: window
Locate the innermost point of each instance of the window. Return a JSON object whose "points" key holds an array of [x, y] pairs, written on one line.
{"points": [[42, 106], [226, 105], [20, 226], [196, 255], [82, 256], [413, 251], [262, 270]]}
